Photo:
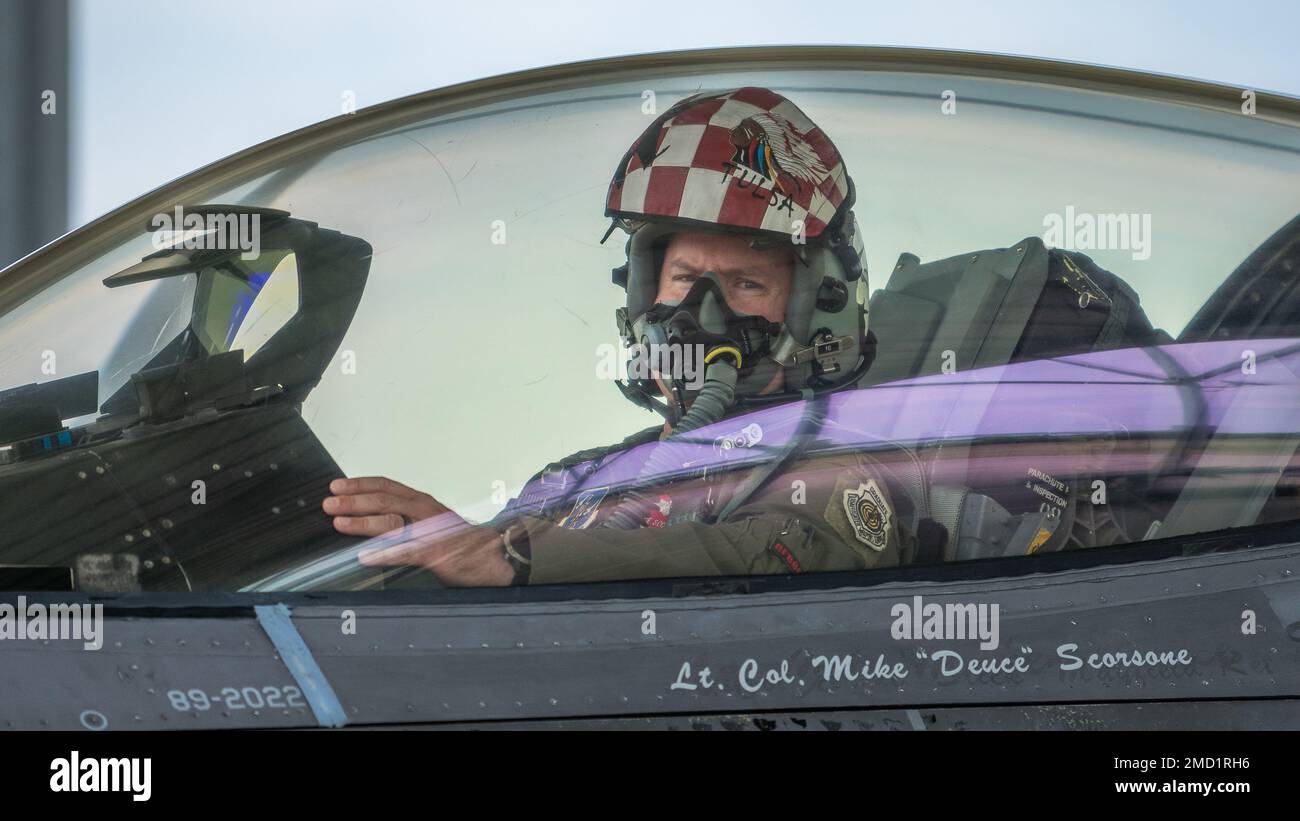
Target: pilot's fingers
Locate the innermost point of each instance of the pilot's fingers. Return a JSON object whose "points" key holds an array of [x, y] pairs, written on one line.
{"points": [[368, 525], [362, 504], [373, 484]]}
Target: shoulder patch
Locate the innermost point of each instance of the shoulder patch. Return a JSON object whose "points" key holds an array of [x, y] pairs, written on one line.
{"points": [[869, 514]]}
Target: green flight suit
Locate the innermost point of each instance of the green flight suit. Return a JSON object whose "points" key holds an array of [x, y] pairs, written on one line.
{"points": [[818, 513]]}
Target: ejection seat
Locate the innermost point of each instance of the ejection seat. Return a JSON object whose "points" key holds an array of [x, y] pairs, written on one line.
{"points": [[983, 309]]}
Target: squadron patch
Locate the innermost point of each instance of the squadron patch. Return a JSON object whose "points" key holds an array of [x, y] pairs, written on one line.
{"points": [[658, 516], [584, 509], [868, 514]]}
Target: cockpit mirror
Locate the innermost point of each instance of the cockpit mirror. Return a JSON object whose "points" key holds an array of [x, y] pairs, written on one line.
{"points": [[281, 290]]}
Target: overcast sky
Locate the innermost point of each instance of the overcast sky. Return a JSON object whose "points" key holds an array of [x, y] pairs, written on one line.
{"points": [[161, 88]]}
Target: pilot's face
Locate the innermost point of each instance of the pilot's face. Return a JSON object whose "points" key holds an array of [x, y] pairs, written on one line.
{"points": [[753, 281]]}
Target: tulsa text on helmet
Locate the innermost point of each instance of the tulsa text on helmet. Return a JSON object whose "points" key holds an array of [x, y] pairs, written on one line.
{"points": [[748, 179]]}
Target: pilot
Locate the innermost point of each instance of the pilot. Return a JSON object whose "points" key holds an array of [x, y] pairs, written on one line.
{"points": [[743, 258]]}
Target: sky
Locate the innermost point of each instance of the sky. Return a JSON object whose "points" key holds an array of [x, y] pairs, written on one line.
{"points": [[163, 88]]}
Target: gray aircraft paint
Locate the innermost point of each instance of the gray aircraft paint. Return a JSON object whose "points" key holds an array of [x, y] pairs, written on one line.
{"points": [[558, 660]]}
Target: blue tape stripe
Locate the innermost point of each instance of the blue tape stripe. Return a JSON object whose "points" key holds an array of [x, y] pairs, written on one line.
{"points": [[914, 716], [275, 620]]}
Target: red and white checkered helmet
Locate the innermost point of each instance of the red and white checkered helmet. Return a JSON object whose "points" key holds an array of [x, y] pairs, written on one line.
{"points": [[748, 161]]}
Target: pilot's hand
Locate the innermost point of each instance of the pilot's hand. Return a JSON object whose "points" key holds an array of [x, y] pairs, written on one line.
{"points": [[373, 505], [433, 536]]}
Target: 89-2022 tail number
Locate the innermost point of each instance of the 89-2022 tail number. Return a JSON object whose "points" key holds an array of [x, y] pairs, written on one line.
{"points": [[237, 698]]}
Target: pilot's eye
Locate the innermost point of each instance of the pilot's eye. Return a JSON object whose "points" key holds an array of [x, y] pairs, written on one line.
{"points": [[685, 277]]}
